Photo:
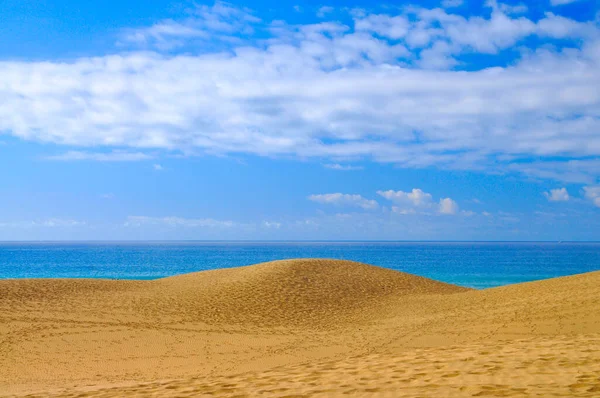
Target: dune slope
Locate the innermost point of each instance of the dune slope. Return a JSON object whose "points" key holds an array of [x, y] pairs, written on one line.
{"points": [[285, 293], [299, 328]]}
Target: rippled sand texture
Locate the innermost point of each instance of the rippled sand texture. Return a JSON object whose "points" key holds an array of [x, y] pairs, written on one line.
{"points": [[299, 328]]}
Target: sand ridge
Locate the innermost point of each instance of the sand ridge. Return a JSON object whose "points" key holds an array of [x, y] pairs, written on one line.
{"points": [[310, 292], [301, 327]]}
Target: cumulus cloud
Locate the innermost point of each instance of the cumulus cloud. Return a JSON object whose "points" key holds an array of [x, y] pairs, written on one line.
{"points": [[416, 197], [342, 199], [378, 88], [593, 193], [419, 202], [557, 195], [393, 27], [448, 206]]}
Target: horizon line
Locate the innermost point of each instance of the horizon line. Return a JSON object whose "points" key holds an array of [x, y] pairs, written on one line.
{"points": [[288, 241]]}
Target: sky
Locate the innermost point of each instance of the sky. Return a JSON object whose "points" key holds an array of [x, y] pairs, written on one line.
{"points": [[265, 120]]}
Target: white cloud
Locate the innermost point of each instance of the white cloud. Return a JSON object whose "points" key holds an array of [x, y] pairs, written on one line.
{"points": [[344, 200], [438, 56], [337, 166], [557, 195], [452, 3], [506, 8], [139, 221], [403, 211], [114, 156], [577, 171], [219, 22], [157, 167], [419, 202], [46, 223], [164, 35], [448, 206], [272, 224], [323, 11], [393, 27], [416, 197], [108, 196], [558, 27], [561, 2], [516, 9], [329, 91], [593, 193]]}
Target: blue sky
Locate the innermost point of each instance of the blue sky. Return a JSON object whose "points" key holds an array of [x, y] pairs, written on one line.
{"points": [[449, 120]]}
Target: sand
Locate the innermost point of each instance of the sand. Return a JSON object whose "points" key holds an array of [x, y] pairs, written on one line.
{"points": [[299, 328]]}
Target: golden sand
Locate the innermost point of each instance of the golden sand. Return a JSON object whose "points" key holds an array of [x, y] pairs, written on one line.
{"points": [[299, 328]]}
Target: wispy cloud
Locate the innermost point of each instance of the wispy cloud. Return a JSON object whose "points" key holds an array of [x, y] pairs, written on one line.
{"points": [[164, 35], [342, 199], [562, 2], [272, 224], [452, 3], [114, 156], [44, 223], [342, 167], [323, 11], [174, 222], [569, 170], [220, 22], [139, 221]]}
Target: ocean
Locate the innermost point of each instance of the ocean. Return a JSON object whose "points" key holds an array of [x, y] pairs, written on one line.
{"points": [[472, 264]]}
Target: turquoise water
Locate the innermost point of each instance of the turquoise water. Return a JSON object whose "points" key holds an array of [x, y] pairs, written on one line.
{"points": [[477, 265]]}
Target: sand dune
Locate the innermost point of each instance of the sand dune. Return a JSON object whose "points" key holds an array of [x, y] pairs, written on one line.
{"points": [[299, 328], [284, 293]]}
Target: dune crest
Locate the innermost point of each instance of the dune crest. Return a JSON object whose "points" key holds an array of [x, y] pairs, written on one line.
{"points": [[291, 292]]}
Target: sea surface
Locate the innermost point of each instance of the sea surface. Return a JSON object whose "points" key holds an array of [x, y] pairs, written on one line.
{"points": [[472, 264]]}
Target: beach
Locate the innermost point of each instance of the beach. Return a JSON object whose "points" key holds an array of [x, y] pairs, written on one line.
{"points": [[299, 328]]}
